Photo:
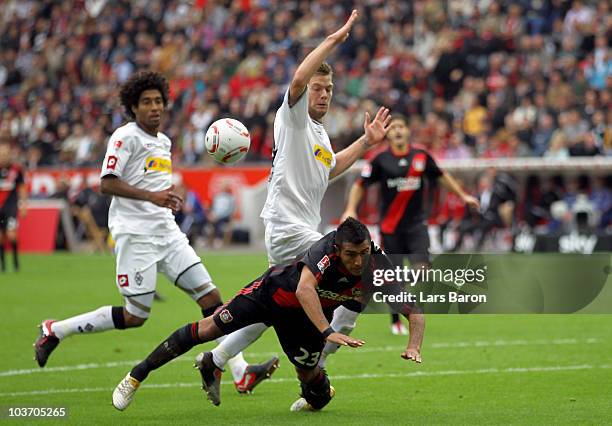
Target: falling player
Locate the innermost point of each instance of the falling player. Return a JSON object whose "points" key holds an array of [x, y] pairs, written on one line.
{"points": [[296, 299]]}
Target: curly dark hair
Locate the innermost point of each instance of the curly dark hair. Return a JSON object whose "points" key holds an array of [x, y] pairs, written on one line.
{"points": [[138, 83]]}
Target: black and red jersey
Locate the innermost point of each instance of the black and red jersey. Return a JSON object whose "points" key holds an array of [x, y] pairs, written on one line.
{"points": [[336, 285], [11, 177], [401, 181], [276, 288]]}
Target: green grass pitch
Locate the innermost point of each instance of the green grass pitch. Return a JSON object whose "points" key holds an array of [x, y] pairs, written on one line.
{"points": [[521, 369]]}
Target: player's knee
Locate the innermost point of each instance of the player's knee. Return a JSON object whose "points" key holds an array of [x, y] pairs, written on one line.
{"points": [[132, 321], [210, 302], [208, 330], [317, 392]]}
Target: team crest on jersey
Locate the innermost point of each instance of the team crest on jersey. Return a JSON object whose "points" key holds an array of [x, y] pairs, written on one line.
{"points": [[111, 162], [122, 280], [158, 164], [118, 144], [323, 263], [323, 155], [403, 162], [419, 164], [225, 316]]}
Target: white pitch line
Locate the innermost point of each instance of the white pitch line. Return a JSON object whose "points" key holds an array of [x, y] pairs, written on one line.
{"points": [[439, 345], [511, 370]]}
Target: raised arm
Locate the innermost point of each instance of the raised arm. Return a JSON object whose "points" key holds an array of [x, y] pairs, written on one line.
{"points": [[306, 294], [313, 60], [374, 133]]}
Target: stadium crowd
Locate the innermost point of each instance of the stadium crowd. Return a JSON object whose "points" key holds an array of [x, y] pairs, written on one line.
{"points": [[477, 78], [527, 78]]}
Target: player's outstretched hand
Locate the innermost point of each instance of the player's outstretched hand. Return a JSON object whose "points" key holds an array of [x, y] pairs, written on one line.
{"points": [[376, 130], [344, 340], [342, 34], [471, 202], [412, 355], [167, 198]]}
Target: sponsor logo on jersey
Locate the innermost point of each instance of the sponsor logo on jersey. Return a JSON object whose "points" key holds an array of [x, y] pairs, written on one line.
{"points": [[158, 164], [118, 144], [225, 316], [328, 294], [323, 155], [323, 264], [410, 183], [122, 280], [418, 164], [111, 162]]}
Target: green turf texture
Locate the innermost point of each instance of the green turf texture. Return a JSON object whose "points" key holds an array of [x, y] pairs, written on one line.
{"points": [[521, 369]]}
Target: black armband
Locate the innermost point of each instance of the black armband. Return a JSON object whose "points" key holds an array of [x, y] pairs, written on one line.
{"points": [[327, 332]]}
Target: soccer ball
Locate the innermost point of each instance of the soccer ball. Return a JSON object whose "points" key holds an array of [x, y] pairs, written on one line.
{"points": [[227, 141]]}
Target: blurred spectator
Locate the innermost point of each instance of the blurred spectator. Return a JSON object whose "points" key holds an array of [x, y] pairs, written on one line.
{"points": [[90, 208], [497, 193], [542, 134], [557, 149], [601, 197], [192, 216], [220, 216]]}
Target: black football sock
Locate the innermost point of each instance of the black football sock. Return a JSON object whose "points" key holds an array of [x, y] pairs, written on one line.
{"points": [[15, 255], [118, 318], [394, 318], [174, 346], [2, 266]]}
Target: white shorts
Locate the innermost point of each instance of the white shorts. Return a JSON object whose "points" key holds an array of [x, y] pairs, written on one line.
{"points": [[286, 241], [140, 257]]}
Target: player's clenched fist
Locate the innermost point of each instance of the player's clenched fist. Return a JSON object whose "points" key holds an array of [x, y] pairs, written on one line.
{"points": [[344, 340]]}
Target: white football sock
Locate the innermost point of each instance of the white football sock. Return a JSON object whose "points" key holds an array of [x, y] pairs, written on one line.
{"points": [[343, 322], [229, 349], [91, 322]]}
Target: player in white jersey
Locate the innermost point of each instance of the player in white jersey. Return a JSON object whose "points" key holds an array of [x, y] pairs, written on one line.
{"points": [[137, 172], [303, 164]]}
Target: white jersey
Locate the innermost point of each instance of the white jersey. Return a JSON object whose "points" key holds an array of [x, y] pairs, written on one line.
{"points": [[302, 163], [144, 162]]}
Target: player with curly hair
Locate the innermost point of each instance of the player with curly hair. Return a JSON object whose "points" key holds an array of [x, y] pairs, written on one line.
{"points": [[137, 172]]}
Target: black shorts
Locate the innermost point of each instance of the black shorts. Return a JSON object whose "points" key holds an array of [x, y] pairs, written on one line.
{"points": [[8, 220], [412, 241], [300, 339]]}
